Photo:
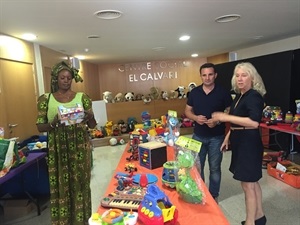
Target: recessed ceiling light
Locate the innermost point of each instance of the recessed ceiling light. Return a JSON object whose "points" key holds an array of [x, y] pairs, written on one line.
{"points": [[93, 36], [29, 36], [184, 38], [258, 37], [157, 49], [195, 55], [108, 14], [227, 18]]}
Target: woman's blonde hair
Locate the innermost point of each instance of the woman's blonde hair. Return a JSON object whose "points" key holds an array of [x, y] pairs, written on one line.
{"points": [[257, 82]]}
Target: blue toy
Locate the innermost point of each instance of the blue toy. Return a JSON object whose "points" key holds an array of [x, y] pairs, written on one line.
{"points": [[156, 208]]}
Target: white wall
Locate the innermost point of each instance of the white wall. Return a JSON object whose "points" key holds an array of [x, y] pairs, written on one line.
{"points": [[269, 48]]}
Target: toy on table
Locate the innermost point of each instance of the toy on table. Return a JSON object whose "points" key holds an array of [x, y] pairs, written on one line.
{"points": [[156, 208], [128, 199], [124, 180], [172, 132], [170, 173], [188, 184], [130, 218], [112, 216], [130, 167]]}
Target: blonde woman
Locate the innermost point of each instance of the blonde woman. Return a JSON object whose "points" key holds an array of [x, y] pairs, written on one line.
{"points": [[244, 137]]}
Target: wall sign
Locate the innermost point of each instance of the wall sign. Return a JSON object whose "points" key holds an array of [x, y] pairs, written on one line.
{"points": [[152, 70]]}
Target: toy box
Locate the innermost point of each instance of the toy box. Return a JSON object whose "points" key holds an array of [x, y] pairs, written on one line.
{"points": [[152, 154], [71, 114], [291, 176]]}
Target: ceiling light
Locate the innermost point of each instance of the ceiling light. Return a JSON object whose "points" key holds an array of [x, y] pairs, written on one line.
{"points": [[29, 36], [108, 14], [184, 38], [93, 36], [194, 55], [157, 49], [258, 37], [227, 18]]}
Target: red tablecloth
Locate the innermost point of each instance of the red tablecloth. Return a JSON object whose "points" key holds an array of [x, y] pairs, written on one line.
{"points": [[189, 214]]}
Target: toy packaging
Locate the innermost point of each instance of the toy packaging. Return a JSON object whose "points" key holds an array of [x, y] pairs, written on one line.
{"points": [[188, 184], [71, 114]]}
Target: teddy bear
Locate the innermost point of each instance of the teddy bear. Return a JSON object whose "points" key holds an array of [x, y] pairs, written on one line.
{"points": [[119, 97], [129, 96], [107, 97], [180, 90], [154, 93], [164, 95], [147, 99], [172, 94], [191, 86], [139, 97]]}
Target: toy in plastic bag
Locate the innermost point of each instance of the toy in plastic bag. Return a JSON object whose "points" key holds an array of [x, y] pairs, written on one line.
{"points": [[172, 131], [188, 184]]}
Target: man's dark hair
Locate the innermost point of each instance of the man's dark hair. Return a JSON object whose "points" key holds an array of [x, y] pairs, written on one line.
{"points": [[208, 65]]}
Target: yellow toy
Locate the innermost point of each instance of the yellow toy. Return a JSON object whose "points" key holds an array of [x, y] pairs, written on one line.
{"points": [[108, 128]]}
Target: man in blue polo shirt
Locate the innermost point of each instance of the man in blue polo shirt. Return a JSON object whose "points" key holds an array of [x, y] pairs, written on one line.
{"points": [[203, 100]]}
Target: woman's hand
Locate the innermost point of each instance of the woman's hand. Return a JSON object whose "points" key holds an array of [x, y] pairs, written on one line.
{"points": [[88, 115], [219, 116], [55, 121]]}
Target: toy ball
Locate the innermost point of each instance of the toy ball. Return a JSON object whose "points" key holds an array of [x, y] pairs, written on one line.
{"points": [[122, 141], [113, 141]]}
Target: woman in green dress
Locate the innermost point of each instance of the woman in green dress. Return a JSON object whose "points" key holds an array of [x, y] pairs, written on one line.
{"points": [[69, 157]]}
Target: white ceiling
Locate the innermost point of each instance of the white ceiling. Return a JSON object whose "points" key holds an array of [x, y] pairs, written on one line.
{"points": [[64, 25]]}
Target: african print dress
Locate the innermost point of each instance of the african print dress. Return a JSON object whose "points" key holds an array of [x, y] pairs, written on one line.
{"points": [[69, 164]]}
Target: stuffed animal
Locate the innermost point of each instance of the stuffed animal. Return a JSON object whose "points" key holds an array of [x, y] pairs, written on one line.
{"points": [[107, 97], [147, 99], [123, 126], [116, 131], [191, 86], [154, 93], [180, 91], [165, 95], [129, 96], [119, 97], [108, 128], [131, 122], [139, 97], [172, 94]]}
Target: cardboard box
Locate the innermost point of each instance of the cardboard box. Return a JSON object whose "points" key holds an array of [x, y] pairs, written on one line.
{"points": [[71, 114], [152, 154], [286, 177], [15, 208]]}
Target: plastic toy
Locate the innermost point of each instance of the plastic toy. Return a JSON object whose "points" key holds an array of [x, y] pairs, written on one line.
{"points": [[156, 208], [130, 218], [113, 216], [124, 180], [170, 174], [113, 141], [130, 167]]}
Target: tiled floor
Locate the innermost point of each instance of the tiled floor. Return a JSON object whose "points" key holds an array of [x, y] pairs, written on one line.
{"points": [[281, 201]]}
